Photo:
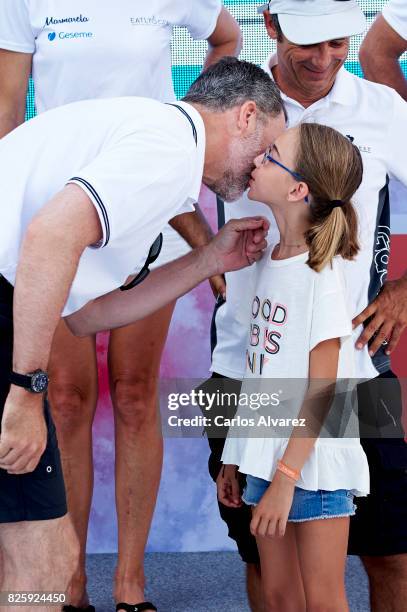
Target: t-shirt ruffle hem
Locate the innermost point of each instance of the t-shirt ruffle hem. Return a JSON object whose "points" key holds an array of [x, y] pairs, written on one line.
{"points": [[328, 468]]}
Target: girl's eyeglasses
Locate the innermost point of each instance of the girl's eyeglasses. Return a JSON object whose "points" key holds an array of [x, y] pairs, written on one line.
{"points": [[268, 157], [153, 254]]}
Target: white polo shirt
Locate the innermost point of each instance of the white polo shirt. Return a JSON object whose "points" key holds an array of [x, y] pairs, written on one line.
{"points": [[136, 159], [395, 13], [103, 49], [375, 116]]}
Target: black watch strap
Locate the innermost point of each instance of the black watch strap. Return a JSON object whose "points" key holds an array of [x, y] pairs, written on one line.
{"points": [[35, 382], [21, 380]]}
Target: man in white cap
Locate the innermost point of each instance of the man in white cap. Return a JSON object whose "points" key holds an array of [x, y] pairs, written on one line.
{"points": [[384, 44], [312, 46]]}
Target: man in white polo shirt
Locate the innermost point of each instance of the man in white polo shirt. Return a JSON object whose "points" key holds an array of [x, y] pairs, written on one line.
{"points": [[312, 46], [384, 44], [100, 180]]}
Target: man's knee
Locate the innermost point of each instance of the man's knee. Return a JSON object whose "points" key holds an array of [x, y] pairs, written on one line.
{"points": [[135, 400]]}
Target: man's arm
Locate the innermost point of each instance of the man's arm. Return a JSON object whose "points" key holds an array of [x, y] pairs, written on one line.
{"points": [[238, 244], [226, 39], [52, 247], [15, 69], [379, 56]]}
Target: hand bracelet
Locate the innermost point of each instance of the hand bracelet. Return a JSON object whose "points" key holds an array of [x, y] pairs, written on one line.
{"points": [[285, 469]]}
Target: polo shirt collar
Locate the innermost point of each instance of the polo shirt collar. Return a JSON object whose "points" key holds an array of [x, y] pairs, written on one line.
{"points": [[343, 92]]}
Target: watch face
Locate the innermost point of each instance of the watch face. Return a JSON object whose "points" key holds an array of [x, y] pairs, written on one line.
{"points": [[39, 382]]}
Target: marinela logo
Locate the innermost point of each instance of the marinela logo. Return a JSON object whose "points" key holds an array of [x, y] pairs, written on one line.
{"points": [[55, 20]]}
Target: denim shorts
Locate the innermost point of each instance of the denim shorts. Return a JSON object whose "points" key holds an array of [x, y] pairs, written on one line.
{"points": [[307, 505]]}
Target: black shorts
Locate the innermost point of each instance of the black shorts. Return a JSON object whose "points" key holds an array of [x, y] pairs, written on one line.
{"points": [[237, 519], [379, 527], [39, 495]]}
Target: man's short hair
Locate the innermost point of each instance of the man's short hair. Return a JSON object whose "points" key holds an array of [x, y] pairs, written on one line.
{"points": [[232, 82]]}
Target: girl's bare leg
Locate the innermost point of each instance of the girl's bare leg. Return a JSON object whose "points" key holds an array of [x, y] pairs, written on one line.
{"points": [[322, 547], [280, 571]]}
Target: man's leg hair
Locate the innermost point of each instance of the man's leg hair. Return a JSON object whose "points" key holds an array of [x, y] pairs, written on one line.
{"points": [[38, 556], [388, 582]]}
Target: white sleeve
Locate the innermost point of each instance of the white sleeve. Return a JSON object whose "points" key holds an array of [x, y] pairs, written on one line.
{"points": [[200, 17], [15, 29], [330, 316], [134, 192], [395, 13], [396, 140]]}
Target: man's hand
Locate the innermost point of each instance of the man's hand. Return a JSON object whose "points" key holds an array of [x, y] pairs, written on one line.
{"points": [[228, 487], [23, 432], [271, 514], [238, 244], [388, 314]]}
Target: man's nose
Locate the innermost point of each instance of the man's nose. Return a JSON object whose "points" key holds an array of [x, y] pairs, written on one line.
{"points": [[321, 58]]}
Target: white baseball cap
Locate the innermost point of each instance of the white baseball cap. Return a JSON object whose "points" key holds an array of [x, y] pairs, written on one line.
{"points": [[308, 22]]}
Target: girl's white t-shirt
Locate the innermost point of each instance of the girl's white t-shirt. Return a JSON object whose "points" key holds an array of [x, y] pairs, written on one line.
{"points": [[293, 309], [103, 49]]}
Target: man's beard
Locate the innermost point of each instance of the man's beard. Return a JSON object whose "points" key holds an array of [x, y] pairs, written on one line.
{"points": [[235, 179]]}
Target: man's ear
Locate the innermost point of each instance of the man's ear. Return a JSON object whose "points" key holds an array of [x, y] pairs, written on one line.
{"points": [[247, 118], [298, 192], [268, 22]]}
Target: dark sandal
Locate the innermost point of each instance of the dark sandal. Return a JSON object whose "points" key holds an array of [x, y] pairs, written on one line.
{"points": [[140, 607], [75, 609]]}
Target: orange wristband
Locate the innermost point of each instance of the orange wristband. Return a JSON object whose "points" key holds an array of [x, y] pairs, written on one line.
{"points": [[294, 474]]}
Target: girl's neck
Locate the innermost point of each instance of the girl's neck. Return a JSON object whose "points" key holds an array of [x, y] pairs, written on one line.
{"points": [[282, 251], [292, 230]]}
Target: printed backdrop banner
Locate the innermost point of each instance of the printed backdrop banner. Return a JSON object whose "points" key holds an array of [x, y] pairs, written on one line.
{"points": [[186, 518]]}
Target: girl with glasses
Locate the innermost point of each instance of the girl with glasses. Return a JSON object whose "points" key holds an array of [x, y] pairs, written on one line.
{"points": [[301, 481]]}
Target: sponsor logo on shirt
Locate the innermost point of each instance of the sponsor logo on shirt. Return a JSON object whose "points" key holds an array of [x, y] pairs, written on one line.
{"points": [[362, 148], [69, 35], [149, 21], [382, 252], [55, 20]]}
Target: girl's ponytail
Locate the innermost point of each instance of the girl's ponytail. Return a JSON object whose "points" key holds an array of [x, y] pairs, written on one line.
{"points": [[332, 168], [335, 235]]}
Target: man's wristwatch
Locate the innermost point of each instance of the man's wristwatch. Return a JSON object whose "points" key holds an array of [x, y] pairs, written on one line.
{"points": [[35, 382]]}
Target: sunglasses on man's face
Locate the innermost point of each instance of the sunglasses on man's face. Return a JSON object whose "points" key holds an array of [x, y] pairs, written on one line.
{"points": [[152, 256]]}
